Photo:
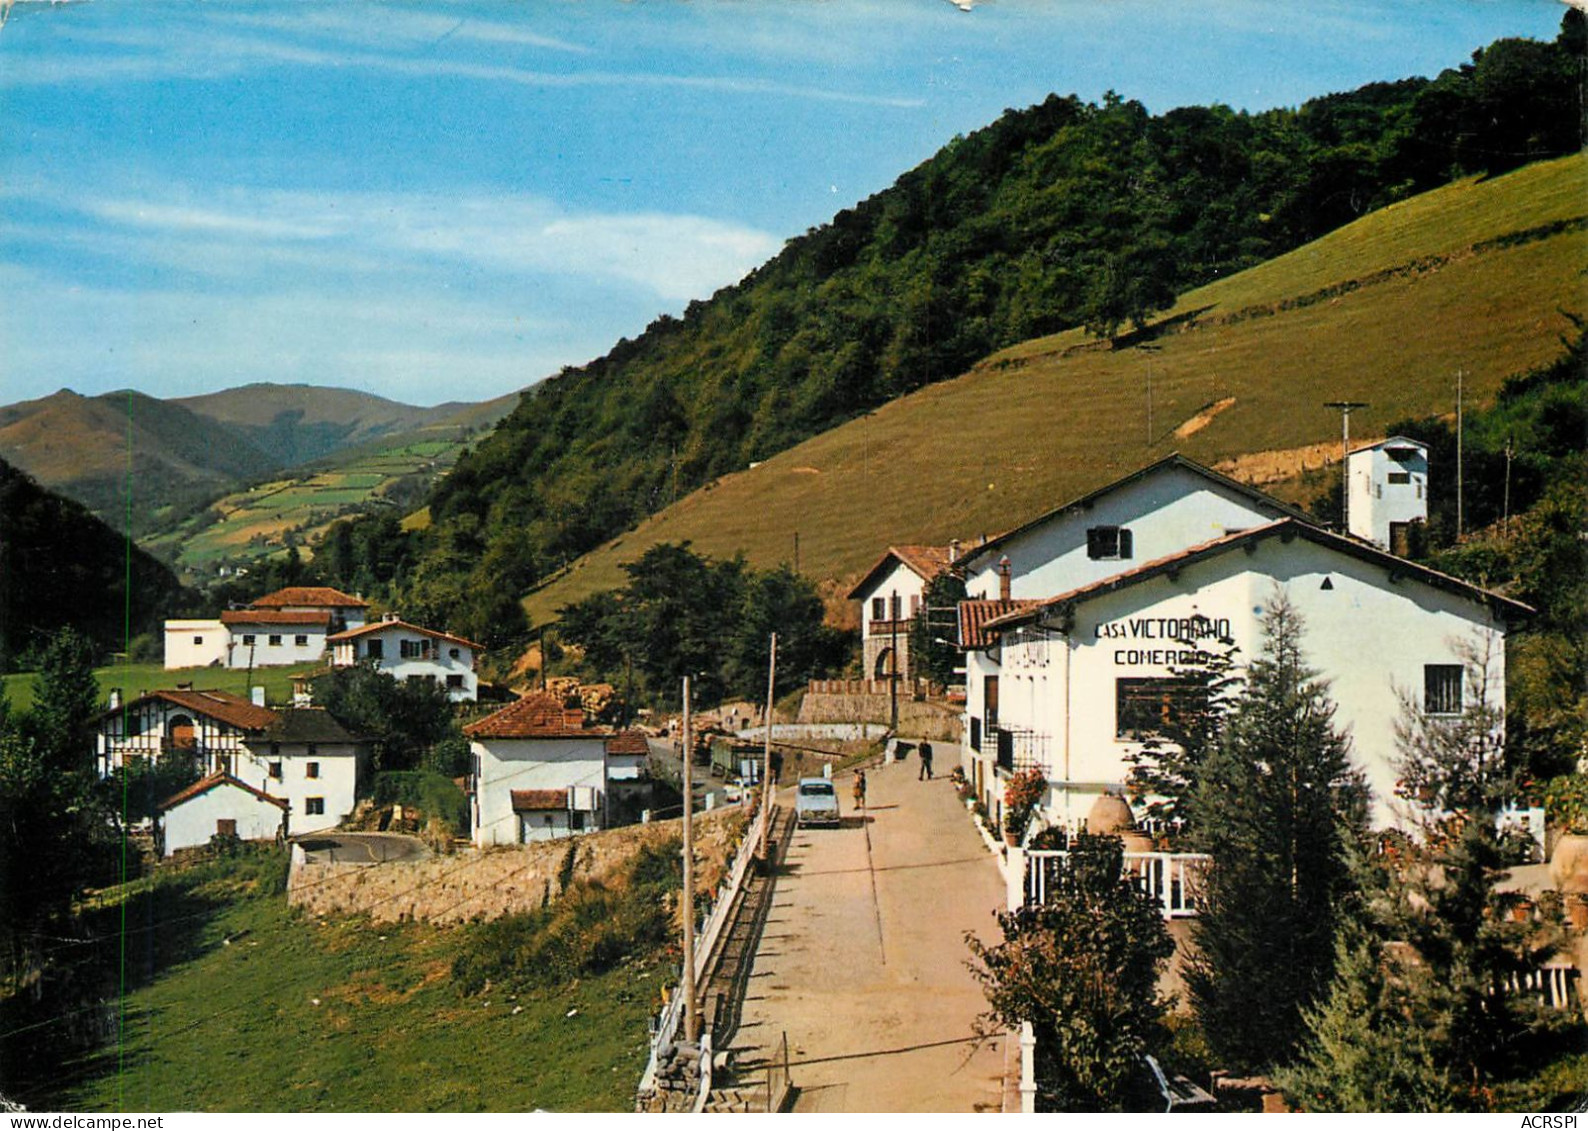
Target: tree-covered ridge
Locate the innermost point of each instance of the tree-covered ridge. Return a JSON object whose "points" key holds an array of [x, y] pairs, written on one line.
{"points": [[60, 566], [1063, 214]]}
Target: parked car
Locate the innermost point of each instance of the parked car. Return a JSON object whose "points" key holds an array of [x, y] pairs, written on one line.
{"points": [[816, 802]]}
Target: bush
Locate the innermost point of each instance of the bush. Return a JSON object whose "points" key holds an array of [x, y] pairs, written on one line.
{"points": [[1566, 803], [431, 793]]}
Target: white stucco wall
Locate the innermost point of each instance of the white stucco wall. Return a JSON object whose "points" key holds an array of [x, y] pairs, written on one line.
{"points": [[192, 823], [1374, 502], [1165, 513], [212, 740], [336, 784], [454, 672], [505, 764], [1368, 635], [264, 654], [195, 643]]}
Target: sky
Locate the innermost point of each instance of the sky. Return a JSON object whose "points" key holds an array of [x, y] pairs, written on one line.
{"points": [[447, 201]]}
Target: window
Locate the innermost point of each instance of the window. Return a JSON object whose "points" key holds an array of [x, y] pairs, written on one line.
{"points": [[879, 608], [1108, 542], [312, 770], [455, 654], [198, 640], [248, 640], [275, 642], [975, 734], [1401, 477], [576, 819], [1146, 708], [915, 603], [898, 607], [454, 681], [226, 826], [375, 649], [409, 649], [311, 750], [301, 641], [1442, 688], [314, 806], [275, 770]]}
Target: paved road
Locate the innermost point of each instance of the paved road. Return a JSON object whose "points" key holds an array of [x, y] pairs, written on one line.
{"points": [[863, 958], [360, 848]]}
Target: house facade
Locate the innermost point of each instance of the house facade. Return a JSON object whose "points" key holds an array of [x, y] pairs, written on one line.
{"points": [[209, 727], [1084, 678], [1387, 493], [196, 644], [891, 596], [263, 638], [289, 626], [308, 760], [407, 651], [538, 773], [219, 805]]}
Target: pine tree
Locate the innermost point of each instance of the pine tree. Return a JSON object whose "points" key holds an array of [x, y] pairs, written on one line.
{"points": [[1278, 806]]}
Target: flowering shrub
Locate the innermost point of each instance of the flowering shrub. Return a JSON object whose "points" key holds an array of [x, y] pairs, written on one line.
{"points": [[1566, 803], [1022, 794]]}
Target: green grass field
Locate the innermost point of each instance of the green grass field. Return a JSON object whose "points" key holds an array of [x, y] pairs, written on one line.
{"points": [[135, 679], [302, 1015], [1472, 277]]}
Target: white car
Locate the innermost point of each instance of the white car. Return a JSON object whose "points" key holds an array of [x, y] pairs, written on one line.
{"points": [[816, 803]]}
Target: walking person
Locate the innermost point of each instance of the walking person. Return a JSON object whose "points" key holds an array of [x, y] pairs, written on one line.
{"points": [[860, 789], [925, 751]]}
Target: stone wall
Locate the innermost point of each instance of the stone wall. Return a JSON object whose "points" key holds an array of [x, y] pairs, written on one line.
{"points": [[917, 719], [485, 884]]}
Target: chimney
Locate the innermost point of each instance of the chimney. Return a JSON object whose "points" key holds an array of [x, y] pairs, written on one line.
{"points": [[257, 694], [115, 698], [1003, 578], [953, 550]]}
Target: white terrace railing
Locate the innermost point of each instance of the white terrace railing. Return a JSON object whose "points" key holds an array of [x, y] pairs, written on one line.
{"points": [[1169, 877]]}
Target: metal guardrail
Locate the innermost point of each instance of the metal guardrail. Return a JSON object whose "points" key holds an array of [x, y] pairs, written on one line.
{"points": [[1170, 877]]}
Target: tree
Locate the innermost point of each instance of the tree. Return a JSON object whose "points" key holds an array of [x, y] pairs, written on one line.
{"points": [[932, 633], [1083, 969], [404, 718], [1278, 806], [65, 705]]}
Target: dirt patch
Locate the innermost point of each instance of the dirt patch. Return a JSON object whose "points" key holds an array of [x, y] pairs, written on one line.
{"points": [[1202, 419], [1258, 468]]}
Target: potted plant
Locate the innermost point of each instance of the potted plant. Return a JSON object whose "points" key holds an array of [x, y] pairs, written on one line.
{"points": [[1022, 794]]}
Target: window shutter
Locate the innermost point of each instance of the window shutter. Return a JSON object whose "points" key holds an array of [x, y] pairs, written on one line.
{"points": [[1126, 543]]}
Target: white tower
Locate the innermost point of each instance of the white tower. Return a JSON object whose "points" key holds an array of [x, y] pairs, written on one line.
{"points": [[1388, 492]]}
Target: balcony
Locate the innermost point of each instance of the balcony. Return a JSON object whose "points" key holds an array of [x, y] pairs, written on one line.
{"points": [[1019, 749], [1171, 878]]}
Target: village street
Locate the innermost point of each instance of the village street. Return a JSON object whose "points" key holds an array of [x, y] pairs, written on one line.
{"points": [[862, 962]]}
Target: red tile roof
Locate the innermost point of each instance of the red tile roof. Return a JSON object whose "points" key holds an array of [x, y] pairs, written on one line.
{"points": [[222, 706], [627, 742], [322, 596], [926, 561], [275, 616], [536, 715], [365, 630], [974, 615], [206, 784], [1286, 529], [535, 800]]}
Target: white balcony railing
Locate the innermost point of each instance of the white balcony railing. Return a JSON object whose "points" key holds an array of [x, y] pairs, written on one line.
{"points": [[1169, 877]]}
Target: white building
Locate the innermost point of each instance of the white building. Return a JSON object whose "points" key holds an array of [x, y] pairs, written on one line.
{"points": [[206, 726], [219, 805], [890, 595], [1387, 497], [1085, 676], [310, 761], [196, 643], [289, 626], [407, 651], [538, 772]]}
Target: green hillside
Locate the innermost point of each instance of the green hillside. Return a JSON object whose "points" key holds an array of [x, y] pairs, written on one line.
{"points": [[1067, 214], [1471, 277]]}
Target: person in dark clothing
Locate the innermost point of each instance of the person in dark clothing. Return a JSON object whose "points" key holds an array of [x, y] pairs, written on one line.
{"points": [[860, 789], [926, 761]]}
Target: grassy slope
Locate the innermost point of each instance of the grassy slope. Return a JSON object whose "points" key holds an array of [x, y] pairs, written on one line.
{"points": [[1047, 420], [236, 1028], [135, 679]]}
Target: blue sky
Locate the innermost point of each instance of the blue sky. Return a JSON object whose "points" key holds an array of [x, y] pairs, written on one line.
{"points": [[451, 200]]}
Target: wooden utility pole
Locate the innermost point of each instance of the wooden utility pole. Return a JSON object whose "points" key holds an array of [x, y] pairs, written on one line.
{"points": [[1460, 517], [766, 764], [1344, 408], [691, 1013], [893, 662]]}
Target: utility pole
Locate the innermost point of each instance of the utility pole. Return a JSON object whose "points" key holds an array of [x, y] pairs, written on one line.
{"points": [[766, 764], [1505, 521], [691, 1015], [1149, 350], [1344, 408], [893, 662], [1460, 374]]}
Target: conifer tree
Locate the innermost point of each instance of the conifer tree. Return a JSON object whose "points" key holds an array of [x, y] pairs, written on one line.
{"points": [[1278, 806]]}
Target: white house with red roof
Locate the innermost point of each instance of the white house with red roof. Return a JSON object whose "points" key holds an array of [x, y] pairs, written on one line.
{"points": [[541, 772], [408, 651], [289, 626], [1084, 677], [219, 805], [891, 595]]}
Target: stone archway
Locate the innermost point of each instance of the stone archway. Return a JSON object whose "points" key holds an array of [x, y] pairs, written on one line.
{"points": [[884, 665]]}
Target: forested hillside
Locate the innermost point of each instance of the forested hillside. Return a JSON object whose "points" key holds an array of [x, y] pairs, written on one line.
{"points": [[59, 565], [1064, 214]]}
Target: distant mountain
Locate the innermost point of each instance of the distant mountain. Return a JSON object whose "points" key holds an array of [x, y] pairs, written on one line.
{"points": [[92, 448], [297, 424], [60, 565]]}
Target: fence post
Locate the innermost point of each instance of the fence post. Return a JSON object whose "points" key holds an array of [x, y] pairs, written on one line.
{"points": [[1015, 878], [1028, 1069]]}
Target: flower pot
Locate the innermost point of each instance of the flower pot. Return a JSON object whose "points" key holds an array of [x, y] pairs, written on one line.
{"points": [[1011, 838]]}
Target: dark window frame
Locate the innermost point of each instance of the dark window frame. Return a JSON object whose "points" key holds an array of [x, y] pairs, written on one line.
{"points": [[1444, 687], [1110, 543], [1144, 706]]}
